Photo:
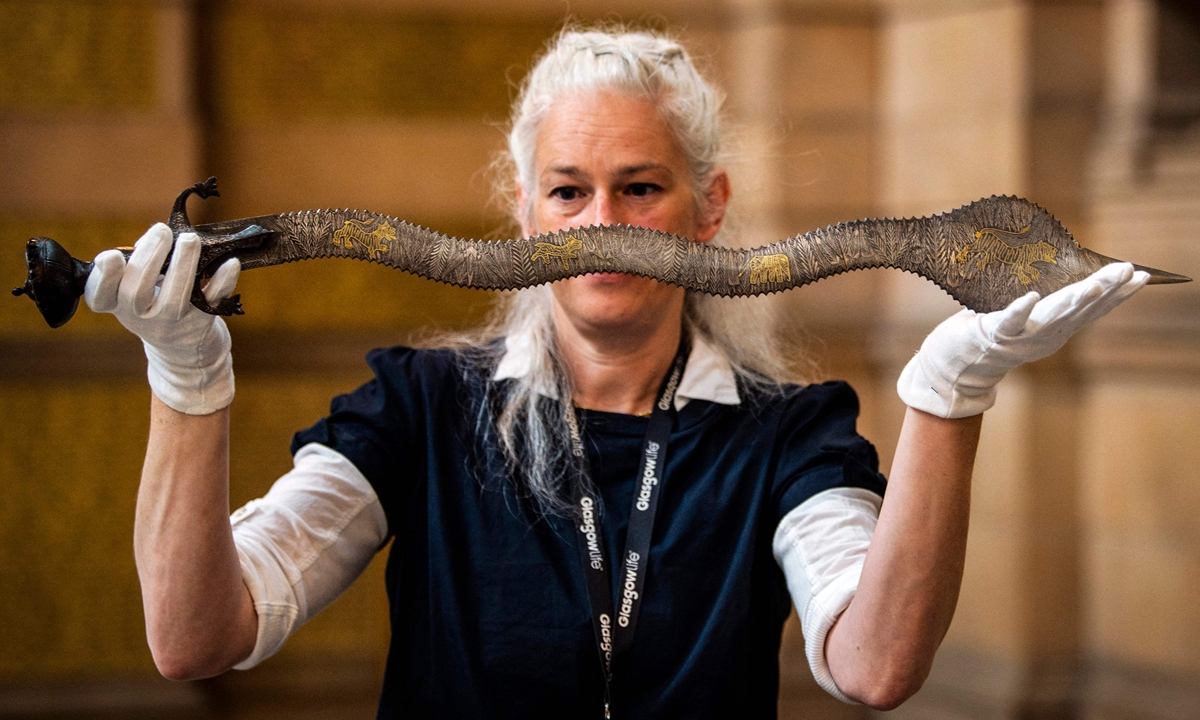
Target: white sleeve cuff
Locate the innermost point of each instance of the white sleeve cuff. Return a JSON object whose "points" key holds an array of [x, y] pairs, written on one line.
{"points": [[275, 601], [821, 545], [305, 542]]}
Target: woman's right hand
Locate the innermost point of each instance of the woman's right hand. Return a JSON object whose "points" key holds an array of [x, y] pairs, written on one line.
{"points": [[190, 367], [955, 373]]}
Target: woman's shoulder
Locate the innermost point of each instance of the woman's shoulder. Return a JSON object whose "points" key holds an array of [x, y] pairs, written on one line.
{"points": [[794, 398], [430, 365]]}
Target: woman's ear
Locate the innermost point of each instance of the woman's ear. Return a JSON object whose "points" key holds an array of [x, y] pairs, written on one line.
{"points": [[716, 200]]}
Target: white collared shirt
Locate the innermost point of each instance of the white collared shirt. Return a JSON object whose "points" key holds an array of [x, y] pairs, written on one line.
{"points": [[315, 531], [706, 376]]}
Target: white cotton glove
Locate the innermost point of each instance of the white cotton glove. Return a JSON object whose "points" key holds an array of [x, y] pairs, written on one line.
{"points": [[189, 364], [955, 373]]}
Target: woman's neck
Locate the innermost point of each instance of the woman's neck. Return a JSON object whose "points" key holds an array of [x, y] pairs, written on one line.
{"points": [[618, 372]]}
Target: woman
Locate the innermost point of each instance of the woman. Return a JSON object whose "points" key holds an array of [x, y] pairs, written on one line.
{"points": [[546, 532]]}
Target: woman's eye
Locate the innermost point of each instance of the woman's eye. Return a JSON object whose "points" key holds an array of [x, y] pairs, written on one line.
{"points": [[566, 194], [641, 189]]}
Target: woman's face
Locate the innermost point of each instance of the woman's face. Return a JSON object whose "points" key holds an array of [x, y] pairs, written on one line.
{"points": [[604, 158]]}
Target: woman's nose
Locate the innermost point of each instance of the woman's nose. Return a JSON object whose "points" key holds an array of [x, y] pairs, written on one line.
{"points": [[605, 209]]}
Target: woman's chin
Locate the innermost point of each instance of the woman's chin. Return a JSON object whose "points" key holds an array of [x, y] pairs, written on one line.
{"points": [[614, 299]]}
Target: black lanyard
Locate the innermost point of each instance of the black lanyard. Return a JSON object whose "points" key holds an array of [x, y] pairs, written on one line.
{"points": [[614, 631]]}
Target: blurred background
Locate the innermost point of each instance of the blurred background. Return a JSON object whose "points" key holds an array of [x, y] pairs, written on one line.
{"points": [[1082, 589]]}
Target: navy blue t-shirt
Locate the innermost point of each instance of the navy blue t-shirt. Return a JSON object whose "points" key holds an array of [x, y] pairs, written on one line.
{"points": [[489, 611]]}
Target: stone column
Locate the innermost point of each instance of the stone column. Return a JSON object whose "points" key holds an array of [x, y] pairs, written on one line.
{"points": [[1140, 480], [982, 99]]}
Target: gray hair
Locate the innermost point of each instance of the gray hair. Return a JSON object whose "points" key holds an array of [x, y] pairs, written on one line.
{"points": [[530, 427], [641, 64]]}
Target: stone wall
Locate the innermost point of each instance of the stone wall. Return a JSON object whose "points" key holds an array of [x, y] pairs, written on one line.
{"points": [[1080, 592], [1081, 568]]}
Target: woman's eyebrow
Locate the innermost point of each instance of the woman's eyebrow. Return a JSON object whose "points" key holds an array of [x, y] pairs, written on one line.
{"points": [[569, 170], [641, 167], [574, 171]]}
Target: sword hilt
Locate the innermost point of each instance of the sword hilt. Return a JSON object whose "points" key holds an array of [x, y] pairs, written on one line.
{"points": [[55, 280]]}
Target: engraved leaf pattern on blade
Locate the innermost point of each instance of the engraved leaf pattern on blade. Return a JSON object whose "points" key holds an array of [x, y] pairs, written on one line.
{"points": [[984, 254]]}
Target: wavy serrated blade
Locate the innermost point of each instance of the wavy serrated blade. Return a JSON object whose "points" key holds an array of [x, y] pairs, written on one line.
{"points": [[984, 254]]}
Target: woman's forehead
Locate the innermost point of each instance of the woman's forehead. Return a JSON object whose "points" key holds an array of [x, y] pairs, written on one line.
{"points": [[606, 129]]}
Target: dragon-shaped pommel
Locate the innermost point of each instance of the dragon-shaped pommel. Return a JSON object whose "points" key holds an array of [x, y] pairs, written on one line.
{"points": [[178, 221], [215, 249]]}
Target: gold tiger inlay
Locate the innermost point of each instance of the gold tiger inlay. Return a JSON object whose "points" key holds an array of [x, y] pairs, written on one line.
{"points": [[373, 241], [990, 247], [768, 268], [546, 252]]}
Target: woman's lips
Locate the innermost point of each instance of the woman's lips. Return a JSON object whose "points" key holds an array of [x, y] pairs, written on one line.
{"points": [[607, 278], [610, 279]]}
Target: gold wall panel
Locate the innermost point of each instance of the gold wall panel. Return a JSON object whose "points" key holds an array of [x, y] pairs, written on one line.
{"points": [[309, 62], [431, 171], [76, 54], [70, 458], [70, 468]]}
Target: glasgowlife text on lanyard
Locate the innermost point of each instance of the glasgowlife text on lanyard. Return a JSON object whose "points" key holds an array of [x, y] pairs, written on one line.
{"points": [[613, 639]]}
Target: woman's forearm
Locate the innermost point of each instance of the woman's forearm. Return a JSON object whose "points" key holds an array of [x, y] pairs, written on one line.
{"points": [[200, 620], [880, 651]]}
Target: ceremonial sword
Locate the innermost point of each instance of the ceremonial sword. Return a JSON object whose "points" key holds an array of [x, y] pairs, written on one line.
{"points": [[985, 254]]}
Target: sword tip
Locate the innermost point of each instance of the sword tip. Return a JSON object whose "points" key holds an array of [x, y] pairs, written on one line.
{"points": [[1162, 277]]}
